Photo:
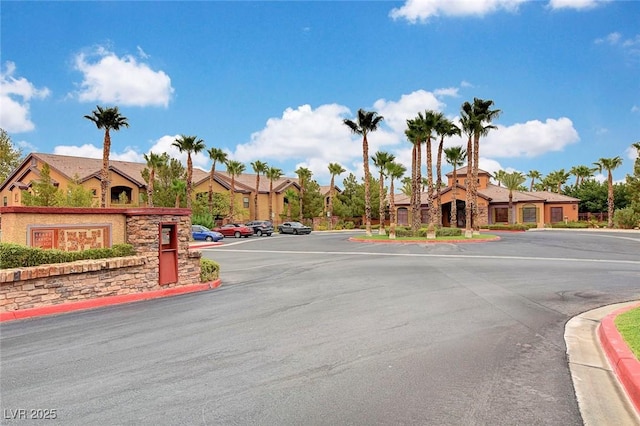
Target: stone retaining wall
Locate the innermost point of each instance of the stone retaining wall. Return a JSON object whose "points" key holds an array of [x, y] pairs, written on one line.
{"points": [[46, 285]]}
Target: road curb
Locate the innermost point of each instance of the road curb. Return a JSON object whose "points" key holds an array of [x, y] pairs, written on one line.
{"points": [[624, 363], [106, 301]]}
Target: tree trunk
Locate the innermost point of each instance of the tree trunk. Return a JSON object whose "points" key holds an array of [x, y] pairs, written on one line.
{"points": [[104, 181], [367, 185], [392, 212], [468, 233], [439, 182], [454, 202], [383, 195], [189, 179]]}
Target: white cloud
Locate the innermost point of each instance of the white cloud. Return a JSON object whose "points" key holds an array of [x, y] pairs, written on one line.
{"points": [[121, 80], [305, 133], [631, 153], [575, 4], [165, 144], [396, 113], [92, 151], [421, 10], [631, 46], [635, 109], [449, 91], [15, 94], [530, 139], [612, 38]]}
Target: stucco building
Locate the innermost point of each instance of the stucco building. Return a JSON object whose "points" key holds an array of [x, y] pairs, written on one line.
{"points": [[535, 207]]}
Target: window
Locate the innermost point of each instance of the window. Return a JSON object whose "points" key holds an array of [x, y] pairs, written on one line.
{"points": [[5, 201], [529, 214], [501, 214], [245, 202], [556, 214], [403, 216], [94, 192]]}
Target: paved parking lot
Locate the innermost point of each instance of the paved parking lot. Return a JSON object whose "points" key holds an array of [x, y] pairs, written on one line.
{"points": [[319, 330]]}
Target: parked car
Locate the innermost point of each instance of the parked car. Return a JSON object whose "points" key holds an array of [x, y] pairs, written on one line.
{"points": [[261, 227], [294, 228], [202, 233], [235, 230]]}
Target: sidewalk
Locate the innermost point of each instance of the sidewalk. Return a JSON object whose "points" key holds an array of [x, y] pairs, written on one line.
{"points": [[605, 374]]}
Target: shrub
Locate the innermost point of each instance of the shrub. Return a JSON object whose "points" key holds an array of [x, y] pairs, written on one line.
{"points": [[349, 225], [571, 225], [449, 232], [209, 270], [506, 227], [626, 218], [18, 256], [320, 228]]}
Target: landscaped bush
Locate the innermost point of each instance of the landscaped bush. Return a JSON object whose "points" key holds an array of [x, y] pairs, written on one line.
{"points": [[449, 232], [349, 225], [209, 270], [626, 218], [18, 256], [507, 227], [571, 225], [320, 228]]}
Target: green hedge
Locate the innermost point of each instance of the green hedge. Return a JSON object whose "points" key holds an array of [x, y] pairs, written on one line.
{"points": [[571, 225], [513, 227], [209, 270], [18, 256]]}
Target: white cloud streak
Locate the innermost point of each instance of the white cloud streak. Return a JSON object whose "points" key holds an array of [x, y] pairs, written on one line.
{"points": [[15, 96], [416, 11], [121, 80]]}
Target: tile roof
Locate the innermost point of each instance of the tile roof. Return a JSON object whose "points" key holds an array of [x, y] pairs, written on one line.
{"points": [[86, 168]]}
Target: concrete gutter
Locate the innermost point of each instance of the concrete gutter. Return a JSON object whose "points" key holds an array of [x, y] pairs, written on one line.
{"points": [[602, 398]]}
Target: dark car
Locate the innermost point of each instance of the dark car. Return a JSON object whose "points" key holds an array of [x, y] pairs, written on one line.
{"points": [[235, 230], [294, 228], [261, 227], [202, 233]]}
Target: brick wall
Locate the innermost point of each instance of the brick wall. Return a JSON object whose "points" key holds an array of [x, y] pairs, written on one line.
{"points": [[45, 285]]}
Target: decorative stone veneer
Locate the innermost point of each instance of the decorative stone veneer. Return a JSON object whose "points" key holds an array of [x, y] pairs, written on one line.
{"points": [[46, 285]]}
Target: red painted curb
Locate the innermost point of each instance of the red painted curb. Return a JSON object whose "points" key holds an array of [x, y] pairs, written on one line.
{"points": [[466, 240], [624, 363], [105, 301]]}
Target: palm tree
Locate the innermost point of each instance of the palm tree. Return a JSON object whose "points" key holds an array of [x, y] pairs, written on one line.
{"points": [[335, 169], [444, 128], [394, 171], [381, 160], [290, 195], [533, 175], [467, 124], [179, 187], [368, 121], [481, 113], [217, 155], [429, 123], [415, 134], [609, 164], [189, 144], [499, 175], [512, 182], [258, 167], [154, 161], [455, 156], [272, 174], [234, 168], [406, 186], [304, 175], [556, 179], [107, 119], [581, 173]]}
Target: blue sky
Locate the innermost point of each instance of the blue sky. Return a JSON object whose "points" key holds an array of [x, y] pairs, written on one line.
{"points": [[272, 81]]}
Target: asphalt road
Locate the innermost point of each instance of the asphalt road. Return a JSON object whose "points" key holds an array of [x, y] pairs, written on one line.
{"points": [[319, 330]]}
